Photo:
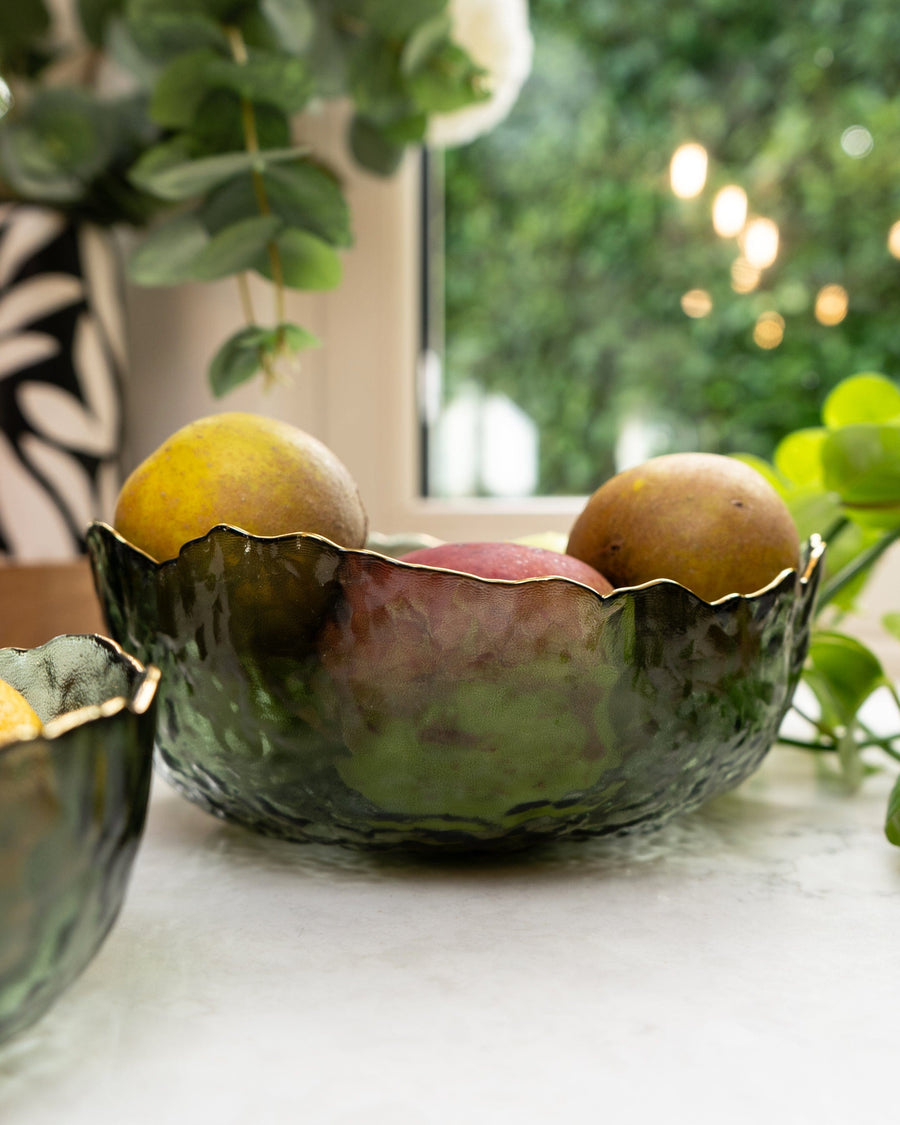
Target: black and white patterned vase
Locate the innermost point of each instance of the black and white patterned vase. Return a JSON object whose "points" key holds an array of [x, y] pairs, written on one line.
{"points": [[62, 357]]}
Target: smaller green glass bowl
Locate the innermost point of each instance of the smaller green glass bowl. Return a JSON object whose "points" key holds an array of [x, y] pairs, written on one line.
{"points": [[316, 693], [73, 800]]}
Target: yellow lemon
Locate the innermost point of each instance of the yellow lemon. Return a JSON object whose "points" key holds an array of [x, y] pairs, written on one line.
{"points": [[17, 717]]}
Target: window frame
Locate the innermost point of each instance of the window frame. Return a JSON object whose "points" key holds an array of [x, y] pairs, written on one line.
{"points": [[388, 267]]}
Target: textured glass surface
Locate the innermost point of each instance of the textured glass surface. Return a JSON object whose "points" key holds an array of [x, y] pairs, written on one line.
{"points": [[312, 692], [72, 808]]}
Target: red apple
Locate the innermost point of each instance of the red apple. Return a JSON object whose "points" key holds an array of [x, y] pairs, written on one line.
{"points": [[466, 699], [513, 561]]}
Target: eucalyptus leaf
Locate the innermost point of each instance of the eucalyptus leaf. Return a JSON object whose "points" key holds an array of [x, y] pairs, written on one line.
{"points": [[306, 261], [266, 78], [53, 150], [377, 86], [162, 172], [236, 248], [168, 254], [272, 79], [327, 57], [867, 397], [372, 148], [30, 172], [293, 22], [449, 81], [408, 130], [219, 125], [237, 360], [310, 197], [424, 42], [398, 18], [128, 57], [162, 36], [248, 351], [182, 86], [296, 339], [303, 194]]}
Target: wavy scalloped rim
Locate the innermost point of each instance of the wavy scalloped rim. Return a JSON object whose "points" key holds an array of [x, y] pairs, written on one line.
{"points": [[815, 550], [146, 684]]}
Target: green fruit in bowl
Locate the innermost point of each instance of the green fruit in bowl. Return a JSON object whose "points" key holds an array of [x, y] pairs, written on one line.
{"points": [[260, 474], [510, 561], [462, 700], [711, 523]]}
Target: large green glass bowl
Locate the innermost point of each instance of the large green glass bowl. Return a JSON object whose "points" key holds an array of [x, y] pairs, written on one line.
{"points": [[72, 805], [317, 693]]}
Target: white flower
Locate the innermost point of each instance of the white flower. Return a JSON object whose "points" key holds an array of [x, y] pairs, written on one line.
{"points": [[497, 36]]}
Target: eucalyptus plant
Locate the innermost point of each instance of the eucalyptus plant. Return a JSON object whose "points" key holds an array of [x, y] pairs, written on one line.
{"points": [[843, 479], [182, 112]]}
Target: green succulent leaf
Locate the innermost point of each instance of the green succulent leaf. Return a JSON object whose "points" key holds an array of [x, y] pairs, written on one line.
{"points": [[168, 254], [868, 397], [236, 248], [165, 172], [892, 820]]}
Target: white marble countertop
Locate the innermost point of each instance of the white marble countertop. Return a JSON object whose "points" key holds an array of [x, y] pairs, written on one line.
{"points": [[740, 965]]}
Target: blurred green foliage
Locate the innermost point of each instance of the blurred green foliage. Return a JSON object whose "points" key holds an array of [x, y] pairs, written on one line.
{"points": [[195, 132], [567, 254]]}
